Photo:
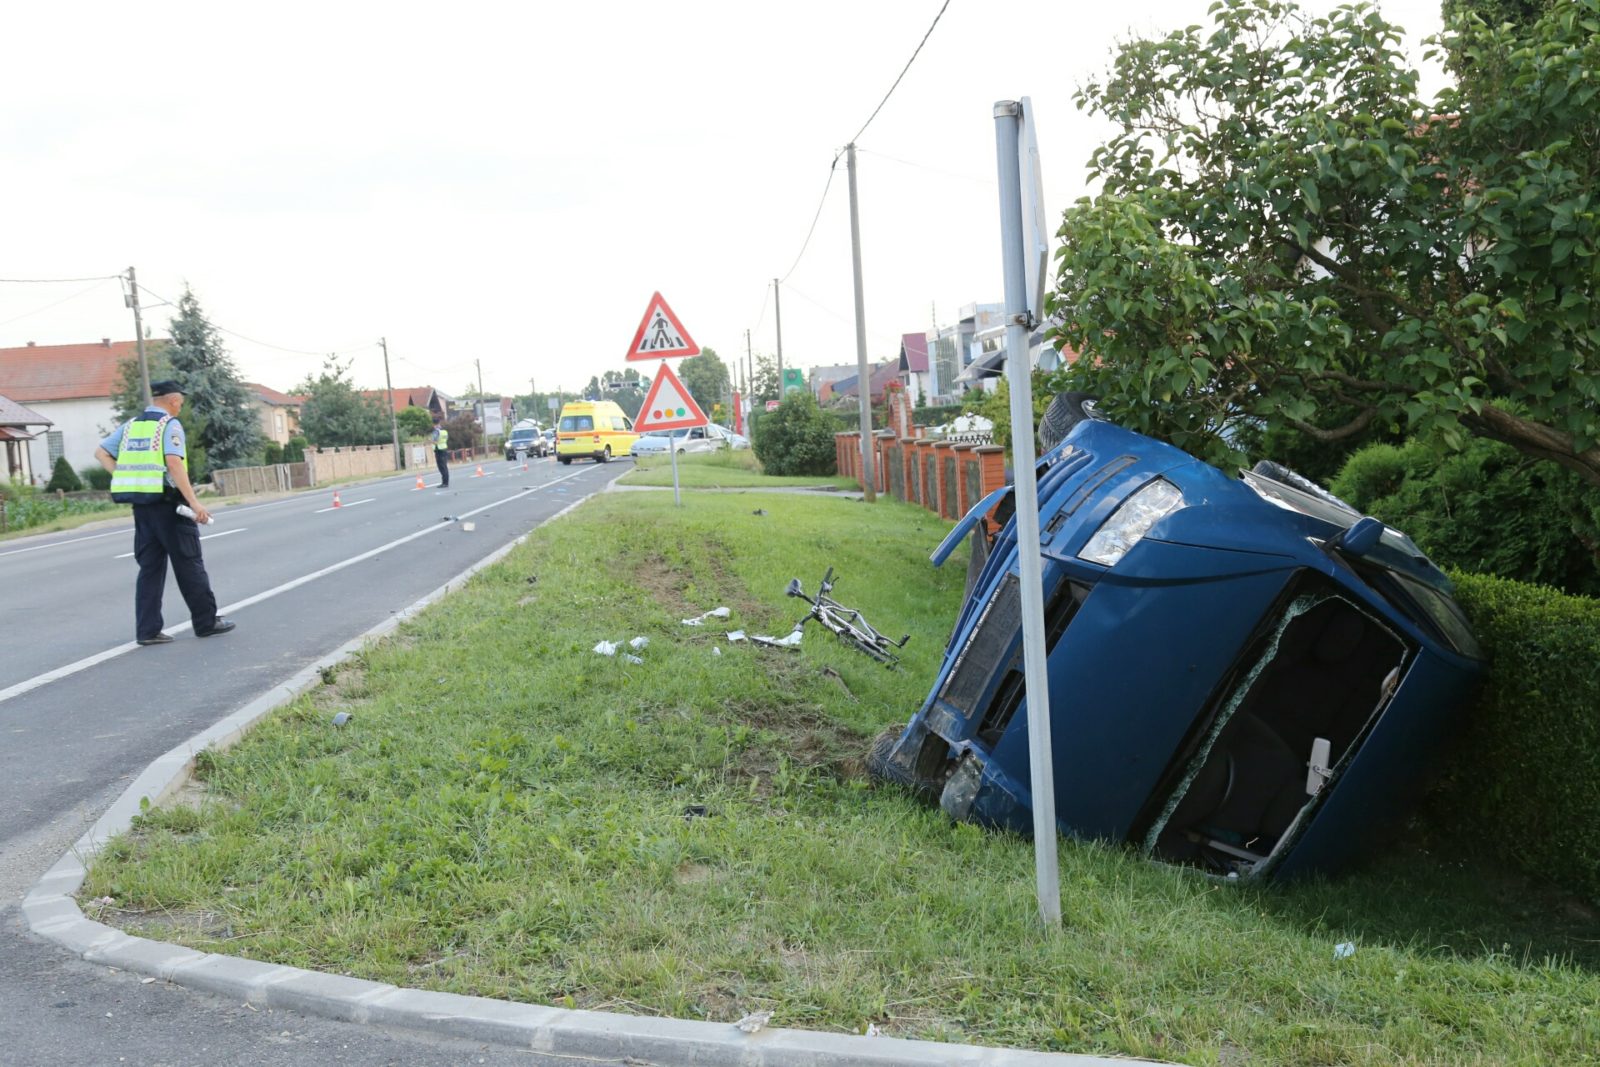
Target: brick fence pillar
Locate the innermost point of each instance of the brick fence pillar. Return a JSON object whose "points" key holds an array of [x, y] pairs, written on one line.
{"points": [[992, 473], [944, 473]]}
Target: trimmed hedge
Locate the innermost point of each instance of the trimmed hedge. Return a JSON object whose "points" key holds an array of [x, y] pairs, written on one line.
{"points": [[1526, 778]]}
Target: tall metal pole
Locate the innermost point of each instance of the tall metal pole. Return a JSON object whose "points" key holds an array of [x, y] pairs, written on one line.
{"points": [[777, 311], [1041, 778], [138, 334], [749, 371], [483, 409], [869, 479], [394, 419]]}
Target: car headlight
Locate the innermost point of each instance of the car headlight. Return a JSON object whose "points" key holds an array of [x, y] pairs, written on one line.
{"points": [[1131, 521]]}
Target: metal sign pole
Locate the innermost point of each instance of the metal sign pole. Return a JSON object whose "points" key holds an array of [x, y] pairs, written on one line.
{"points": [[1041, 768], [672, 449]]}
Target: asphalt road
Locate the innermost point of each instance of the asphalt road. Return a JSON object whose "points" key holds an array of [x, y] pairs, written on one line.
{"points": [[83, 709]]}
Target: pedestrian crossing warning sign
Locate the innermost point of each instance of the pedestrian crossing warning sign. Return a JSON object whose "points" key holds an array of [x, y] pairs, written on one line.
{"points": [[668, 405], [661, 335]]}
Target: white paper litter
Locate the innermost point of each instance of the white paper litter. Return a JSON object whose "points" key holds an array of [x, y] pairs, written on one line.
{"points": [[715, 651], [631, 658], [639, 642], [787, 640], [607, 648], [1344, 950], [735, 635], [714, 613]]}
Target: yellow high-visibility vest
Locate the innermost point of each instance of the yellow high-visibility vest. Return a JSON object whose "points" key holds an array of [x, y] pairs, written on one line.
{"points": [[141, 462]]}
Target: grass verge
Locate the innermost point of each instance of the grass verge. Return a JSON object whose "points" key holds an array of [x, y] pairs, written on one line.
{"points": [[509, 814], [722, 470]]}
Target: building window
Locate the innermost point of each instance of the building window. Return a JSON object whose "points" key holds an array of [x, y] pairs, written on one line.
{"points": [[53, 445], [277, 418]]}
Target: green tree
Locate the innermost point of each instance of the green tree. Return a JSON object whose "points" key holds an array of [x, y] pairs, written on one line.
{"points": [[1487, 509], [228, 427], [335, 413], [706, 378], [797, 438], [127, 392], [1284, 235], [764, 382], [414, 421], [63, 477]]}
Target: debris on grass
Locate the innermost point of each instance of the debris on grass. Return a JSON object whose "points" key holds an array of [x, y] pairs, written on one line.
{"points": [[754, 1021], [714, 613]]}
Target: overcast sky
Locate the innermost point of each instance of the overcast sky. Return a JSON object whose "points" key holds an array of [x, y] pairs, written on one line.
{"points": [[510, 182]]}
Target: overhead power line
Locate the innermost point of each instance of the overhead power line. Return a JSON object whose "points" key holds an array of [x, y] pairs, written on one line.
{"points": [[896, 84], [807, 242], [52, 281], [55, 303], [347, 350]]}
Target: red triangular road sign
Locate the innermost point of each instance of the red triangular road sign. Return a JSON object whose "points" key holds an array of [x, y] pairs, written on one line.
{"points": [[661, 335], [668, 405]]}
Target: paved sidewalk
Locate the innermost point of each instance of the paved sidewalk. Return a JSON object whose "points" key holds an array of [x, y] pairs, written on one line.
{"points": [[50, 909]]}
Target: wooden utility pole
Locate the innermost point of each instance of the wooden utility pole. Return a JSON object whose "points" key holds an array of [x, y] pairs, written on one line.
{"points": [[869, 478], [394, 420], [777, 311], [132, 301]]}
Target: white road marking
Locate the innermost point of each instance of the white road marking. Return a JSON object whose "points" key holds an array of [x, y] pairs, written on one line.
{"points": [[58, 544], [341, 507], [207, 537], [30, 684]]}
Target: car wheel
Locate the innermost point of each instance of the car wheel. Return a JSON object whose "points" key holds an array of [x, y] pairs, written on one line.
{"points": [[605, 457], [565, 460], [1064, 412]]}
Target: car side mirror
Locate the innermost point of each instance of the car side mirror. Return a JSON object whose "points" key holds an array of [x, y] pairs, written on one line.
{"points": [[1359, 539]]}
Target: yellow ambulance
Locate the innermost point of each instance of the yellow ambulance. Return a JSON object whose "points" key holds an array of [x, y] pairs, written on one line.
{"points": [[593, 429]]}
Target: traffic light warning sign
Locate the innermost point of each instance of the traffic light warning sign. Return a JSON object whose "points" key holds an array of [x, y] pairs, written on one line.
{"points": [[668, 406]]}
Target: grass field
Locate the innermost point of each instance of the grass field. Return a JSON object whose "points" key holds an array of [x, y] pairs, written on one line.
{"points": [[508, 813]]}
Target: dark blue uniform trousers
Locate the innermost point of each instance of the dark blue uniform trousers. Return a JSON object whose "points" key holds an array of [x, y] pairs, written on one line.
{"points": [[160, 534], [442, 458]]}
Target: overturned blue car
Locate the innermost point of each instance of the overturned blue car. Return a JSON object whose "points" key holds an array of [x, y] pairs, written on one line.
{"points": [[1245, 674]]}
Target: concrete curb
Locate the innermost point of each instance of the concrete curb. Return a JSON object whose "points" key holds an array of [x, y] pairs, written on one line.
{"points": [[51, 911]]}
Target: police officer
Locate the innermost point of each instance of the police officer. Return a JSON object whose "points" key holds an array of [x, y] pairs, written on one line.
{"points": [[147, 460], [441, 450]]}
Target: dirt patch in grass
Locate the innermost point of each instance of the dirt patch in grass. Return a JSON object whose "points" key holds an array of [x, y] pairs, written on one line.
{"points": [[806, 737], [656, 576], [165, 924]]}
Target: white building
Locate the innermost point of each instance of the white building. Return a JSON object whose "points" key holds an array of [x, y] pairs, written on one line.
{"points": [[71, 386]]}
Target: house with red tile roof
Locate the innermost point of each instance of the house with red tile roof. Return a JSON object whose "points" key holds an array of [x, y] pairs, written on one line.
{"points": [[278, 413], [426, 397], [70, 386]]}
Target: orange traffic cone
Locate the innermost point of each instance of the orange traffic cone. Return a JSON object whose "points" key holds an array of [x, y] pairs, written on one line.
{"points": [[479, 472], [419, 484], [524, 461], [336, 499]]}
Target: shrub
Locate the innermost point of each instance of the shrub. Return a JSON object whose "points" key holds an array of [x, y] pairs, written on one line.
{"points": [[295, 450], [63, 478], [272, 453], [95, 476], [796, 439], [1523, 780], [1487, 509]]}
